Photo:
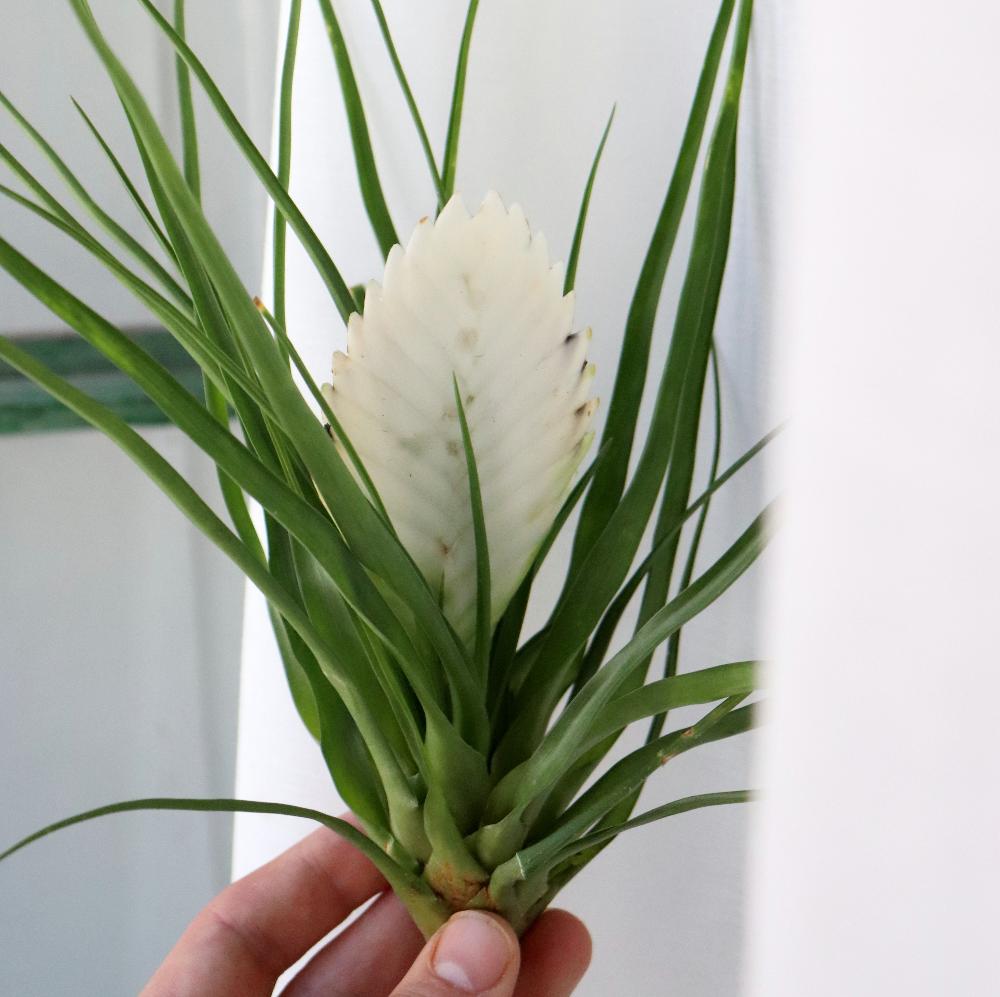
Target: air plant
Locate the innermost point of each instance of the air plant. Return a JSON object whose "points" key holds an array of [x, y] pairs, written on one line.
{"points": [[408, 506]]}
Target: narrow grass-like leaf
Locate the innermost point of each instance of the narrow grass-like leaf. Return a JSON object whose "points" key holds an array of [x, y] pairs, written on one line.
{"points": [[285, 94], [51, 202], [483, 599], [578, 720], [673, 645], [449, 164], [367, 534], [685, 805], [215, 397], [295, 675], [508, 631], [648, 759], [352, 454], [685, 441], [581, 222], [629, 774], [409, 887], [411, 102], [381, 744], [605, 566], [599, 645], [342, 667], [189, 124], [121, 235], [333, 620], [739, 678], [174, 486], [351, 765], [573, 731], [305, 522], [137, 199], [204, 351], [626, 397], [325, 266], [680, 476], [364, 155]]}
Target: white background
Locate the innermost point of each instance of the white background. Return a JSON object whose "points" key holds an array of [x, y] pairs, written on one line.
{"points": [[876, 861]]}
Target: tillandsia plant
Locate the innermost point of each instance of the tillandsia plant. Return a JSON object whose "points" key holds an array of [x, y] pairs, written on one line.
{"points": [[408, 506]]}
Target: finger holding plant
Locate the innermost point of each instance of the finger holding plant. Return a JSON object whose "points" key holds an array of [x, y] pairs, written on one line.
{"points": [[409, 504]]}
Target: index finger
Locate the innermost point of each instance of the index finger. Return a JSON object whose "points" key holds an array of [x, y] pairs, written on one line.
{"points": [[255, 929]]}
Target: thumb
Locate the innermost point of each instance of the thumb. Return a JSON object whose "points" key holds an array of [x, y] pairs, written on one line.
{"points": [[474, 953]]}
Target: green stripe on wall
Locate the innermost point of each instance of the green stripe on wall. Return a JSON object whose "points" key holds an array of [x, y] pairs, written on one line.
{"points": [[26, 409]]}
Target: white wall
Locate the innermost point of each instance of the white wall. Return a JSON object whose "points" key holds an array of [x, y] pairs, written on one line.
{"points": [[666, 907], [119, 626], [119, 641]]}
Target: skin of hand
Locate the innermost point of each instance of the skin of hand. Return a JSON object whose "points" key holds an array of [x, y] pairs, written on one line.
{"points": [[246, 938]]}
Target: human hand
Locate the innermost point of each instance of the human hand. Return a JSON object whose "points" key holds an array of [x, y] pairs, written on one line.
{"points": [[253, 931]]}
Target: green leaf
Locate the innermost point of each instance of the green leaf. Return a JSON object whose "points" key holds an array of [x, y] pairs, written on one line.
{"points": [[483, 599], [335, 427], [429, 912], [207, 355], [360, 765], [673, 645], [569, 737], [364, 155], [581, 223], [341, 665], [628, 775], [170, 482], [626, 397], [601, 640], [508, 630], [325, 266], [686, 435], [185, 101], [684, 450], [298, 681], [315, 532], [705, 686], [411, 102], [130, 188], [649, 759], [577, 722], [605, 565], [121, 235], [738, 678], [685, 805], [450, 161], [366, 532], [285, 95]]}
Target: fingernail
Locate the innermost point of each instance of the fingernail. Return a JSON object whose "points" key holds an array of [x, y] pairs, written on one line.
{"points": [[473, 952]]}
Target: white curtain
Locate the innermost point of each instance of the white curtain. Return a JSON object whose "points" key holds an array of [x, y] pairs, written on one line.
{"points": [[665, 907], [876, 865]]}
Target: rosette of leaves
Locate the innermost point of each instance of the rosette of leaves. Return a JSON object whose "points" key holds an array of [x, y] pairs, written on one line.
{"points": [[408, 505]]}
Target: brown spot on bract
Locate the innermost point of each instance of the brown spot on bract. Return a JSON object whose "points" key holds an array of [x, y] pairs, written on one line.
{"points": [[452, 447], [468, 337], [424, 220], [444, 548]]}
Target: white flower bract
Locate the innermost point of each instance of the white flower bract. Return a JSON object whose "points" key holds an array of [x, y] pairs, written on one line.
{"points": [[474, 298]]}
